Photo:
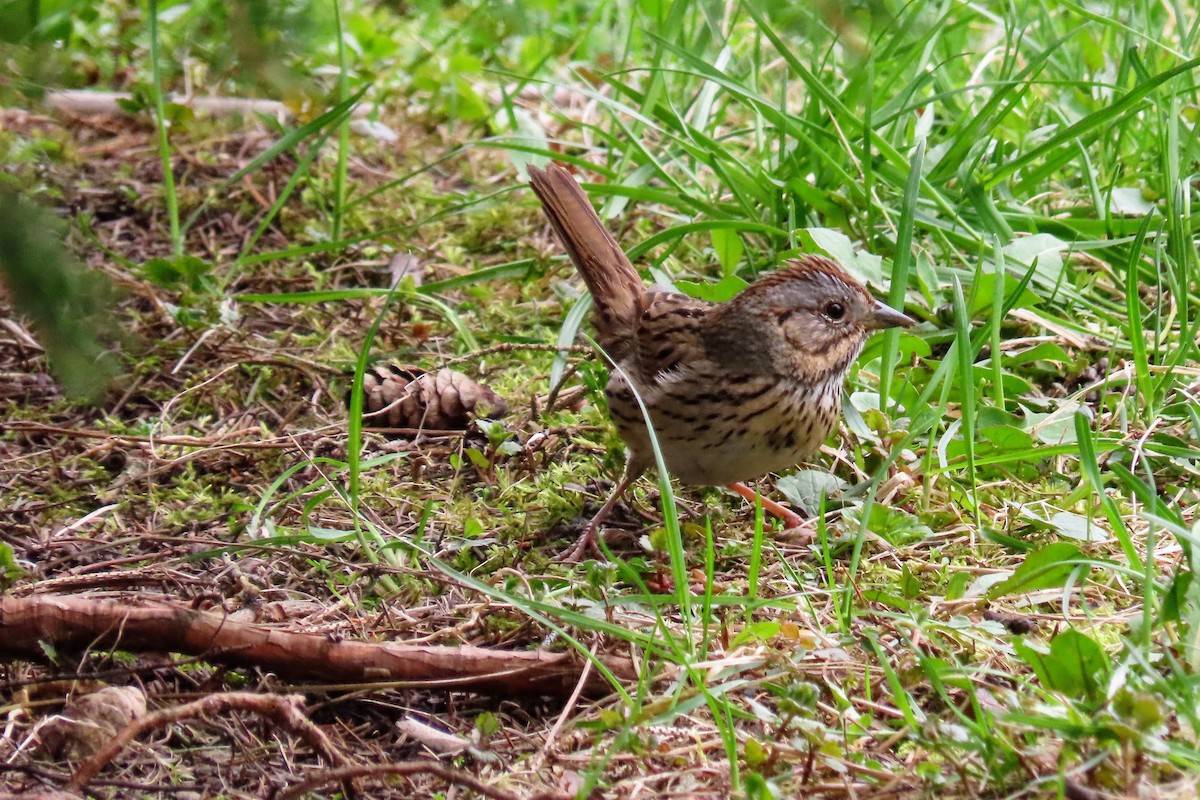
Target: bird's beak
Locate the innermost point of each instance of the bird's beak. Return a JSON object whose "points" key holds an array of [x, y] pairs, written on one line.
{"points": [[887, 317]]}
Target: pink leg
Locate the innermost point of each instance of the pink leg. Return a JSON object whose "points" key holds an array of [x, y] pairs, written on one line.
{"points": [[790, 518], [587, 540]]}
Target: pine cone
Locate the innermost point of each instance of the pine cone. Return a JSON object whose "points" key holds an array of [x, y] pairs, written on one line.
{"points": [[409, 397]]}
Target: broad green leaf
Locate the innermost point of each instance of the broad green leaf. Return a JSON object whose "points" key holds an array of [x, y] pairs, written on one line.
{"points": [[865, 267], [1079, 528], [189, 271], [1045, 351], [729, 249], [763, 631], [755, 754], [956, 587], [804, 488], [982, 585], [320, 534], [1045, 568], [1057, 427], [1075, 664], [991, 416], [10, 570], [718, 292], [985, 289], [487, 724], [893, 525], [1130, 201], [1006, 437], [1043, 248]]}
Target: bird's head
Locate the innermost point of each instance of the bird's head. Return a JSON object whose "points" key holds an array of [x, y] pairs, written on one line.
{"points": [[814, 315]]}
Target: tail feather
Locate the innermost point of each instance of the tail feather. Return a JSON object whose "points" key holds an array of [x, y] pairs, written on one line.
{"points": [[612, 280]]}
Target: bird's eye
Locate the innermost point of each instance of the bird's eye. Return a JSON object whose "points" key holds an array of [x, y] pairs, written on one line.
{"points": [[835, 311]]}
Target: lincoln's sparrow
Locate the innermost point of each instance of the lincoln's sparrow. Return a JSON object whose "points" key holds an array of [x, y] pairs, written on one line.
{"points": [[734, 390]]}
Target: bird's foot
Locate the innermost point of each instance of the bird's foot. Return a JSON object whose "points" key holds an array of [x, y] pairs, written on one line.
{"points": [[589, 540], [586, 544], [790, 518]]}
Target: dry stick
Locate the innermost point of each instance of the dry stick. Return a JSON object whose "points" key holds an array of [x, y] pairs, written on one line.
{"points": [[97, 102], [287, 711], [218, 442], [413, 432], [26, 623], [557, 387], [344, 774]]}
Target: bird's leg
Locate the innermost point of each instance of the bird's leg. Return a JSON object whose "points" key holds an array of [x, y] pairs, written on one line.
{"points": [[587, 540], [790, 518]]}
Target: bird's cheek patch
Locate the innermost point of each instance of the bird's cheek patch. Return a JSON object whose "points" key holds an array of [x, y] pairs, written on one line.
{"points": [[784, 315]]}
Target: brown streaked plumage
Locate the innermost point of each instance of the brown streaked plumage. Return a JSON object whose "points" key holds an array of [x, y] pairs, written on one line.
{"points": [[733, 390]]}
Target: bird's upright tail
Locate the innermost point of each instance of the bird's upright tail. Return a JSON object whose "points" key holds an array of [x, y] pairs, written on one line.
{"points": [[614, 283]]}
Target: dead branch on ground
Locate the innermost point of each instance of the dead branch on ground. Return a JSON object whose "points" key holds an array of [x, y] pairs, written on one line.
{"points": [[27, 624]]}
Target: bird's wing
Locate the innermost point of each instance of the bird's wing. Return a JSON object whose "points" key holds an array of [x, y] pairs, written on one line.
{"points": [[667, 334]]}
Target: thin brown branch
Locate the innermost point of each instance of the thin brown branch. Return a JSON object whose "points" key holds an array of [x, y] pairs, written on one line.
{"points": [[28, 624], [287, 711]]}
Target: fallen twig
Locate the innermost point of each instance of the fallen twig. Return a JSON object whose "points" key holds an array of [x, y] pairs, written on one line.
{"points": [[28, 624], [287, 711]]}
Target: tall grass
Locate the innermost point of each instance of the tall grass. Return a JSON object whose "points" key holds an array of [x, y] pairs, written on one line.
{"points": [[979, 152], [160, 125], [1021, 178]]}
